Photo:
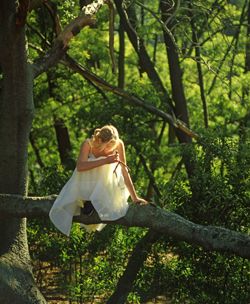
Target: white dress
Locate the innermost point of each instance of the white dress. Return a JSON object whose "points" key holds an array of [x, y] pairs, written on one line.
{"points": [[105, 189]]}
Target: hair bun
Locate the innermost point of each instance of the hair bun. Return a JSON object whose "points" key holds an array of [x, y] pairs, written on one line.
{"points": [[107, 135], [97, 131]]}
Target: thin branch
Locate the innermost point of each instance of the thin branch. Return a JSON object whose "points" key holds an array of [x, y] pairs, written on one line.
{"points": [[211, 69], [43, 38], [149, 174], [204, 28], [229, 48], [235, 50], [164, 24], [54, 16], [36, 48]]}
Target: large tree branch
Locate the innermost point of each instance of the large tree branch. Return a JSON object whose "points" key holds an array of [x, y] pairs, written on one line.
{"points": [[60, 45], [177, 123], [157, 219]]}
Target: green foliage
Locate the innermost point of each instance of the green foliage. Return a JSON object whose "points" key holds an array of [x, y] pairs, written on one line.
{"points": [[216, 194], [184, 273]]}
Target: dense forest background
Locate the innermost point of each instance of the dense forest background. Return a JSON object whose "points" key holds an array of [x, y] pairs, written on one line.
{"points": [[173, 77]]}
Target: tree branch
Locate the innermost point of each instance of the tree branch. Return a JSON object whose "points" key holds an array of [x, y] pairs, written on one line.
{"points": [[228, 51], [73, 65], [60, 46], [164, 222]]}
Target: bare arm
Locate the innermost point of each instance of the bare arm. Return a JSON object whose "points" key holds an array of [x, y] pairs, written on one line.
{"points": [[126, 175], [83, 164]]}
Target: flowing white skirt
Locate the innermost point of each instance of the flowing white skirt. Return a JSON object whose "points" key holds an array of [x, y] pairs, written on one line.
{"points": [[104, 188]]}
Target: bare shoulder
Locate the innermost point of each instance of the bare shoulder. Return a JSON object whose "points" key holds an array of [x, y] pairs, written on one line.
{"points": [[120, 145], [85, 147], [86, 143], [121, 151]]}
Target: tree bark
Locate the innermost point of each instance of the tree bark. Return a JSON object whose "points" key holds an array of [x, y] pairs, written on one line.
{"points": [[178, 94], [17, 284], [36, 151]]}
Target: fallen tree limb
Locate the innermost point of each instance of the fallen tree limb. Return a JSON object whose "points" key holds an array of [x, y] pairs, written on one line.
{"points": [[161, 221]]}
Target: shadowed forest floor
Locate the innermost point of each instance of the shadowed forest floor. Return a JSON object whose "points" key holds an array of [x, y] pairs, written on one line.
{"points": [[47, 278]]}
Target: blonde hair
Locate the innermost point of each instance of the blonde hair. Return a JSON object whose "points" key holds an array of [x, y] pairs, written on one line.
{"points": [[105, 137]]}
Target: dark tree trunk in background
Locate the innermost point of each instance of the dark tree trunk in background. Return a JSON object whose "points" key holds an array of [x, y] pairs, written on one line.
{"points": [[62, 133], [36, 150], [16, 113], [180, 108], [247, 59], [198, 64], [63, 142], [121, 58], [244, 124], [175, 72], [135, 263]]}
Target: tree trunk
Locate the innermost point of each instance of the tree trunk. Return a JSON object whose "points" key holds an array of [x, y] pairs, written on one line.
{"points": [[198, 64], [181, 111], [247, 59], [63, 142], [135, 263], [175, 75], [16, 112], [62, 133], [121, 57]]}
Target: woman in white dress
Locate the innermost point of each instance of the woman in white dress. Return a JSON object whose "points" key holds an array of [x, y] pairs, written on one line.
{"points": [[101, 180]]}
